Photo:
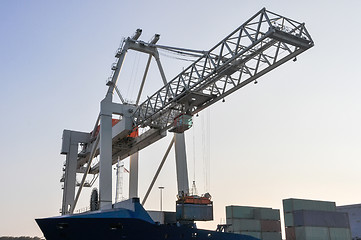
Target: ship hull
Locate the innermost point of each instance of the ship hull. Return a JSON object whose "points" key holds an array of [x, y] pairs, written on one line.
{"points": [[126, 220], [125, 228]]}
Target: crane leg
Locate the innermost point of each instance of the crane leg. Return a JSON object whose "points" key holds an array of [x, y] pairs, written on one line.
{"points": [[181, 164], [105, 174], [70, 179], [70, 143], [133, 175]]}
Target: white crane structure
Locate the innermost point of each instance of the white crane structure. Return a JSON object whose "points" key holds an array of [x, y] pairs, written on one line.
{"points": [[259, 45], [119, 182]]}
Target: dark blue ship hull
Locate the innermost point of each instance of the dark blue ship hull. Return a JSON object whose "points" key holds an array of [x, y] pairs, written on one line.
{"points": [[132, 229], [122, 223]]}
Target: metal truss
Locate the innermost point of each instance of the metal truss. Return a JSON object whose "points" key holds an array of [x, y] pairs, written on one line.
{"points": [[261, 44]]}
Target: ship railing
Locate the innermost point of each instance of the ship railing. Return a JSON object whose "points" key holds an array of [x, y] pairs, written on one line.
{"points": [[81, 210]]}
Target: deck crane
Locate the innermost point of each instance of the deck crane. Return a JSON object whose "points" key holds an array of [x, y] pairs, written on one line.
{"points": [[259, 45]]}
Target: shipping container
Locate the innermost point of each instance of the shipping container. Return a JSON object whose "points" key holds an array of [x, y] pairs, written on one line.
{"points": [[239, 212], [270, 226], [238, 224], [170, 217], [230, 228], [320, 219], [157, 216], [266, 214], [312, 233], [292, 204], [194, 212], [317, 233], [340, 234], [289, 220], [163, 217], [354, 215], [271, 236], [290, 233]]}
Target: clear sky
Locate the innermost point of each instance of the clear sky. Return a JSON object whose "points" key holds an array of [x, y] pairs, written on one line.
{"points": [[295, 134]]}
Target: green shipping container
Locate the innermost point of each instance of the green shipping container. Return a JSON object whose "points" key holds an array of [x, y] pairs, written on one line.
{"points": [[292, 204], [312, 233], [266, 214], [230, 222], [239, 212], [271, 236], [239, 225], [340, 234], [289, 219]]}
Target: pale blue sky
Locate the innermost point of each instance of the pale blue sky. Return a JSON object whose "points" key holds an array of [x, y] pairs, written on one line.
{"points": [[295, 134]]}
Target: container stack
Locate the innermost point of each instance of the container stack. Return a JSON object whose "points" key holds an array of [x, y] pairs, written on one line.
{"points": [[354, 215], [310, 220], [261, 223], [163, 217]]}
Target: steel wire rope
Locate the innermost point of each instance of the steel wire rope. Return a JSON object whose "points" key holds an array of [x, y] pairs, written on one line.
{"points": [[162, 53], [182, 53], [206, 149], [194, 156], [130, 80], [135, 78], [203, 138]]}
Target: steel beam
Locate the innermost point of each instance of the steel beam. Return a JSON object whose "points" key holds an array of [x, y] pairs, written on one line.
{"points": [[70, 179], [70, 144], [133, 175], [158, 171], [105, 175], [123, 150], [181, 164]]}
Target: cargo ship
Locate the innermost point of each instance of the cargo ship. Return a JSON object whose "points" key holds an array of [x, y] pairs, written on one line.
{"points": [[127, 220], [263, 43]]}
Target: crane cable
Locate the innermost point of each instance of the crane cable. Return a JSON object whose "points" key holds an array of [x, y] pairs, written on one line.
{"points": [[194, 191], [131, 82], [179, 55], [205, 153], [206, 149]]}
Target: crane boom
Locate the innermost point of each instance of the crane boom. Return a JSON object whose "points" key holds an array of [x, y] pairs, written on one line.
{"points": [[259, 45]]}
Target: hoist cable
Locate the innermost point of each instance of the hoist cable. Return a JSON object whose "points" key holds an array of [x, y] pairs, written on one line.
{"points": [[177, 58]]}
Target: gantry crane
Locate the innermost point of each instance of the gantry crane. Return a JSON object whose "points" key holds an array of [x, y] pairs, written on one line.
{"points": [[262, 43]]}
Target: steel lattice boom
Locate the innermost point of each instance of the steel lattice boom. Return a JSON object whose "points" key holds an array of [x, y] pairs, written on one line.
{"points": [[259, 45]]}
